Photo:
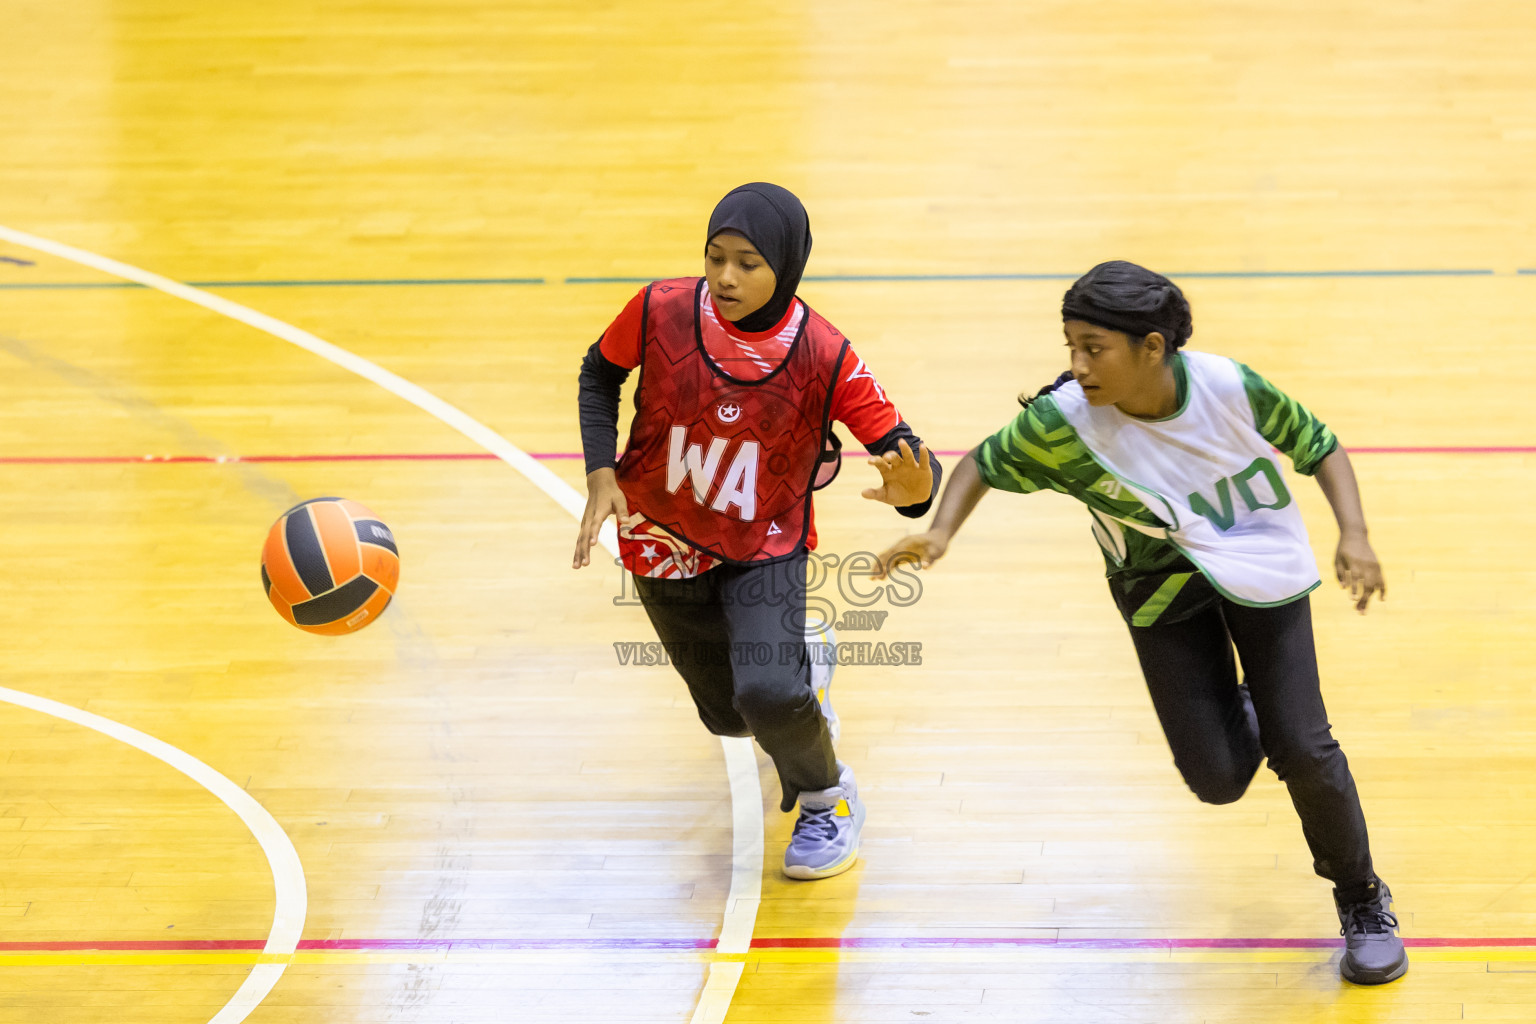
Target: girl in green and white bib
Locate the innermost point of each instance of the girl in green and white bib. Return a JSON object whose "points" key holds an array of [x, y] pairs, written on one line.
{"points": [[1173, 452]]}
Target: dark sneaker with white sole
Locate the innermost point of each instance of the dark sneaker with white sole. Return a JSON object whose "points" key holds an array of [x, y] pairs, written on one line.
{"points": [[1373, 953]]}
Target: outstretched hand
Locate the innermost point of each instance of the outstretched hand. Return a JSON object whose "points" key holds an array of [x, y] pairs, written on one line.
{"points": [[922, 548], [1358, 571], [903, 479], [604, 499]]}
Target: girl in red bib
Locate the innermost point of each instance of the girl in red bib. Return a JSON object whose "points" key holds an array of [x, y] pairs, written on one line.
{"points": [[739, 384]]}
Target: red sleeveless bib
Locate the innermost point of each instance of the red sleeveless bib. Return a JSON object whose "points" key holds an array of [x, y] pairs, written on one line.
{"points": [[723, 464]]}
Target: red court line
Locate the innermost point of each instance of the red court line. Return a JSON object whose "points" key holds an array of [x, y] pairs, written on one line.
{"points": [[355, 945], [62, 460], [67, 460], [1109, 943], [1451, 449], [954, 943]]}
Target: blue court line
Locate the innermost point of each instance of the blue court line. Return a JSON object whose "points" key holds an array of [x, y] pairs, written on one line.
{"points": [[378, 282], [1462, 272], [1522, 270], [51, 285]]}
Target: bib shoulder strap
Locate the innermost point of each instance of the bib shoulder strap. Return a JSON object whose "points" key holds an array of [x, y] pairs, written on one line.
{"points": [[1218, 374], [1220, 378]]}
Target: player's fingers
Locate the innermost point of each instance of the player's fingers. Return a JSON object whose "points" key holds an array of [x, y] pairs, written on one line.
{"points": [[583, 545], [592, 523], [904, 551], [906, 451], [874, 493], [923, 453], [619, 509]]}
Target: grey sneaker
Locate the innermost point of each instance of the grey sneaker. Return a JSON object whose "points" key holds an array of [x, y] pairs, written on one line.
{"points": [[1373, 953], [826, 838], [820, 635]]}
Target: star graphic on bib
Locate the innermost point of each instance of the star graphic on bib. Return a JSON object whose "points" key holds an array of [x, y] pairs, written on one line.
{"points": [[649, 551]]}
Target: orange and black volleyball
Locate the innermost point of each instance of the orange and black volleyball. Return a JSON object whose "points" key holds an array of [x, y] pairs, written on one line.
{"points": [[330, 566]]}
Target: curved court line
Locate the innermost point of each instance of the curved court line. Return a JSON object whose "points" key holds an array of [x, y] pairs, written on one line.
{"points": [[741, 762], [287, 872]]}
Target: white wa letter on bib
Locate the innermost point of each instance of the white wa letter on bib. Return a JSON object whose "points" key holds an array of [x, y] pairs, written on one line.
{"points": [[740, 485], [693, 463]]}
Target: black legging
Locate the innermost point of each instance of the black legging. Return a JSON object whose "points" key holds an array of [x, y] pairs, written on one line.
{"points": [[703, 619], [1220, 731]]}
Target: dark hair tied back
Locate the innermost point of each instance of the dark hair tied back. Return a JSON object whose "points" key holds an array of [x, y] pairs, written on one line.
{"points": [[1122, 296]]}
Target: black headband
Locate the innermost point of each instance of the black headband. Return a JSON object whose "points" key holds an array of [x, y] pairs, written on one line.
{"points": [[1135, 326], [1122, 296]]}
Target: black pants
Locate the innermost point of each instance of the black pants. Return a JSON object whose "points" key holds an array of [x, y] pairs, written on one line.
{"points": [[718, 627], [1220, 731]]}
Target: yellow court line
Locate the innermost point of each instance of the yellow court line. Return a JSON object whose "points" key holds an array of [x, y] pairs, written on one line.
{"points": [[1026, 954]]}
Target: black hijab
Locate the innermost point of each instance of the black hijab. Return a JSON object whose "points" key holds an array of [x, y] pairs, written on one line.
{"points": [[1125, 297], [772, 219]]}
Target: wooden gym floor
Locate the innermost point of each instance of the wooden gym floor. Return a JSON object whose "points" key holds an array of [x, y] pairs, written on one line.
{"points": [[495, 819]]}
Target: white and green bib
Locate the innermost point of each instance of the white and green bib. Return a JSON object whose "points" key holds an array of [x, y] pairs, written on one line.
{"points": [[1208, 473]]}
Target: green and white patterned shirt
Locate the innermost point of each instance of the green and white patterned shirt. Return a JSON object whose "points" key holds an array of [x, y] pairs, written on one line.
{"points": [[1152, 580]]}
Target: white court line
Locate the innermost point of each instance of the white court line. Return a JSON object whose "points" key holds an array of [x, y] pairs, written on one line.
{"points": [[740, 760], [746, 893], [287, 872]]}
